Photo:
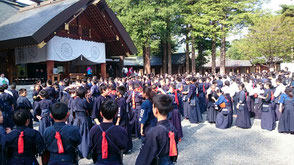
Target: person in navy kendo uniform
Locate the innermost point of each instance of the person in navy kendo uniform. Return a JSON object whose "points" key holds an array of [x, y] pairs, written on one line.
{"points": [[212, 109], [7, 107], [202, 94], [195, 115], [94, 88], [112, 91], [286, 123], [122, 118], [160, 145], [135, 98], [51, 91], [14, 91], [98, 103], [147, 118], [268, 115], [61, 140], [2, 137], [243, 116], [108, 141], [185, 92], [224, 117], [80, 108], [24, 103], [42, 110], [22, 144], [72, 94], [177, 111]]}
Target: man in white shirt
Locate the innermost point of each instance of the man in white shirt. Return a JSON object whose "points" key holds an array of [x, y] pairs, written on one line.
{"points": [[3, 79]]}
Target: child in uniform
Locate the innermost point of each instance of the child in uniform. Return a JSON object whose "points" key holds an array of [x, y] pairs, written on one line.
{"points": [[80, 108], [2, 137], [61, 139], [24, 103], [108, 140], [23, 144], [42, 110], [122, 116], [160, 145], [98, 103], [7, 106], [147, 118]]}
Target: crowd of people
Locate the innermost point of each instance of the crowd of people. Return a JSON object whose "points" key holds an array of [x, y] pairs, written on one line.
{"points": [[98, 118]]}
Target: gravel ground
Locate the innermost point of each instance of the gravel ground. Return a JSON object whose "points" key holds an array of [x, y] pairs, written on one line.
{"points": [[204, 144]]}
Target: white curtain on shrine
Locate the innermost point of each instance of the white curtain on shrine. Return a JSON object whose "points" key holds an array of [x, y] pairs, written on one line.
{"points": [[62, 49]]}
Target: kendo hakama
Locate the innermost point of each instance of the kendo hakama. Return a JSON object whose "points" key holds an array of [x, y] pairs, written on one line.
{"points": [[80, 108], [175, 118], [195, 114], [268, 118], [124, 120], [224, 118], [257, 108], [43, 109], [212, 108], [286, 123], [134, 114], [70, 118], [186, 105], [202, 97], [243, 116]]}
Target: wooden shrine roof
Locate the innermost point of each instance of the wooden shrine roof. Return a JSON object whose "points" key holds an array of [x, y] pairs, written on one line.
{"points": [[34, 24]]}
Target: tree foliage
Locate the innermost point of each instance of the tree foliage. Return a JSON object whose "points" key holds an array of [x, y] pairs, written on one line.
{"points": [[156, 25], [269, 40]]}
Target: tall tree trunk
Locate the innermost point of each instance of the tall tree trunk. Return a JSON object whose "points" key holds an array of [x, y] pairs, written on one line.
{"points": [[187, 55], [146, 55], [193, 55], [164, 57], [223, 54], [213, 56], [169, 57], [200, 53]]}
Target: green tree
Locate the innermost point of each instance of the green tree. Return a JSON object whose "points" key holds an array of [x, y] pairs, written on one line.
{"points": [[269, 40]]}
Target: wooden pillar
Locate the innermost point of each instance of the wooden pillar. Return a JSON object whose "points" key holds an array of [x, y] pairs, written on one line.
{"points": [[103, 70], [12, 68], [121, 66], [50, 66]]}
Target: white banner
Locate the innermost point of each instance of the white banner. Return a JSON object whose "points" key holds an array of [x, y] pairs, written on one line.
{"points": [[62, 49]]}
